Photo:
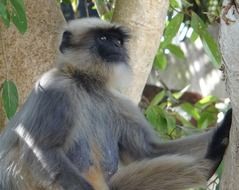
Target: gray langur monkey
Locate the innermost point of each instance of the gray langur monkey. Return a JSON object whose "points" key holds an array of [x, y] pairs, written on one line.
{"points": [[75, 126]]}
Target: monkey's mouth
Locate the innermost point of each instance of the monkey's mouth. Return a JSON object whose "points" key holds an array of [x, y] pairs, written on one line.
{"points": [[115, 57]]}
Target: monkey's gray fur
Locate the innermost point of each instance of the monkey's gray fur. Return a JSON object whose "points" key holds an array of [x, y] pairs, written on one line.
{"points": [[75, 126]]}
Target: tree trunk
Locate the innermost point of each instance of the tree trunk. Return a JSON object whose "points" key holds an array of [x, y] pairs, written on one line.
{"points": [[229, 42], [24, 57], [145, 19]]}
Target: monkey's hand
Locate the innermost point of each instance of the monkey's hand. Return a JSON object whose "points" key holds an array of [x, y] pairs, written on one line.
{"points": [[220, 140]]}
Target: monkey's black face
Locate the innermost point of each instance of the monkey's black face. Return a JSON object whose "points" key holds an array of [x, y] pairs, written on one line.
{"points": [[110, 45], [106, 43]]}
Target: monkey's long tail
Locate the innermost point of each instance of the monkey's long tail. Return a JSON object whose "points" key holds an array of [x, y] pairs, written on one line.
{"points": [[172, 172]]}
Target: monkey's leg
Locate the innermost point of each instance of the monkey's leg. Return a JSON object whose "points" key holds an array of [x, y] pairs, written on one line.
{"points": [[172, 172]]}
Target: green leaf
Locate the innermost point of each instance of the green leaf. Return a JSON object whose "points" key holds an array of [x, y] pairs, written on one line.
{"points": [[158, 98], [220, 169], [206, 119], [108, 16], [193, 37], [207, 99], [184, 121], [18, 15], [204, 102], [176, 50], [174, 3], [211, 48], [4, 2], [156, 117], [191, 110], [186, 4], [163, 105], [179, 94], [4, 14], [197, 24], [203, 122], [160, 61], [162, 121], [172, 29], [66, 1], [219, 175], [10, 98], [209, 44], [21, 26], [171, 122]]}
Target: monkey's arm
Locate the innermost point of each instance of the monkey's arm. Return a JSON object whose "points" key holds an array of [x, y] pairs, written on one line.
{"points": [[199, 157], [138, 140], [44, 125]]}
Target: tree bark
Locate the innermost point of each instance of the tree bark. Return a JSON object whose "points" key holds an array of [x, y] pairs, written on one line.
{"points": [[145, 19], [24, 57], [229, 42]]}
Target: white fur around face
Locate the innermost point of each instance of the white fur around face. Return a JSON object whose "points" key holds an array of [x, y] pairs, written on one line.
{"points": [[79, 26], [121, 77]]}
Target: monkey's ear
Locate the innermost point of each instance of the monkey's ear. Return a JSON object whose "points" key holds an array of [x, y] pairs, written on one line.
{"points": [[66, 41]]}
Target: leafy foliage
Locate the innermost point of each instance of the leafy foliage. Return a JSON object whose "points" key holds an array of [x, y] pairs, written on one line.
{"points": [[14, 11], [189, 15], [174, 118], [210, 46], [9, 98], [104, 8]]}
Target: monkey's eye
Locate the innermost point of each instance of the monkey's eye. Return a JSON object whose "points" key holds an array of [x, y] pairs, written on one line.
{"points": [[103, 38], [119, 42]]}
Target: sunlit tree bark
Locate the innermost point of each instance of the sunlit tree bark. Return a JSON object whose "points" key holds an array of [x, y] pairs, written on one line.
{"points": [[229, 42], [24, 57], [145, 19]]}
